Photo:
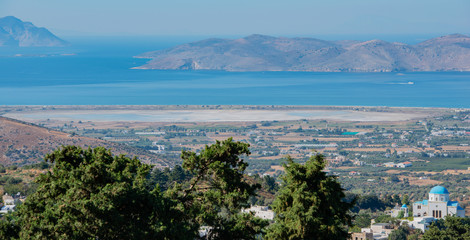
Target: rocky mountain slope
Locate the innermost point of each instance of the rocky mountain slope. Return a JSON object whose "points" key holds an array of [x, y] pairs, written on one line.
{"points": [[22, 143], [265, 53], [14, 32]]}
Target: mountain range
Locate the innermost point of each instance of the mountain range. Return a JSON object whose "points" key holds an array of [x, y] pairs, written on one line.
{"points": [[266, 53], [14, 32]]}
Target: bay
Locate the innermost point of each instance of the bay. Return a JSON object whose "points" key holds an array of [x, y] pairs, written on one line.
{"points": [[98, 72]]}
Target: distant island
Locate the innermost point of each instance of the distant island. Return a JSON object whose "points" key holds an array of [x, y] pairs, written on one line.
{"points": [[16, 33], [266, 53]]}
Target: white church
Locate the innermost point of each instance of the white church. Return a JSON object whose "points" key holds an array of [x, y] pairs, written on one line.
{"points": [[438, 205]]}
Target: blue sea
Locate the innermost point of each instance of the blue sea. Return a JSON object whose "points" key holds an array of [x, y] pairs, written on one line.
{"points": [[98, 72]]}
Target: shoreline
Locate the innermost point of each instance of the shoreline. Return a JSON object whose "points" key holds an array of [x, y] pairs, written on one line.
{"points": [[215, 113]]}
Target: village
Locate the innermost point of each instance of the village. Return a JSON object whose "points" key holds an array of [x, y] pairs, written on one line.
{"points": [[365, 155], [352, 148], [425, 161]]}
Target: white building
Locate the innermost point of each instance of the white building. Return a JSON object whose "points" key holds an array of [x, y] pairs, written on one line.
{"points": [[204, 231], [7, 208], [396, 211], [438, 205], [262, 212], [379, 231], [159, 148], [361, 236], [404, 165], [422, 223], [8, 200], [9, 204], [389, 164]]}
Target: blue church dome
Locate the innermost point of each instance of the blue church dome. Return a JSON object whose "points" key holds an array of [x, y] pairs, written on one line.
{"points": [[404, 206], [439, 190]]}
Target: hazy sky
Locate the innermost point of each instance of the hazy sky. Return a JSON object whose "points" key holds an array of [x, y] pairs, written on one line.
{"points": [[241, 17]]}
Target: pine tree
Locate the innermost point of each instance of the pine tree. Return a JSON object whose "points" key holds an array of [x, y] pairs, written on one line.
{"points": [[310, 204], [218, 191], [91, 194]]}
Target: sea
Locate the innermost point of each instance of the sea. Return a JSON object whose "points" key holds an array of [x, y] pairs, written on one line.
{"points": [[99, 72]]}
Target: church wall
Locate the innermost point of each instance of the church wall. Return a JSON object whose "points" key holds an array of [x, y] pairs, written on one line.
{"points": [[437, 206], [452, 210], [439, 197], [419, 210]]}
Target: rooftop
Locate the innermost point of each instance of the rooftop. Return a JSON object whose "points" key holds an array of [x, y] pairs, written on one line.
{"points": [[439, 190]]}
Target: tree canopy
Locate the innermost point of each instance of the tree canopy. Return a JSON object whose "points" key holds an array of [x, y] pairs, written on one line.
{"points": [[218, 191], [371, 202], [450, 228], [310, 204], [91, 194], [399, 234]]}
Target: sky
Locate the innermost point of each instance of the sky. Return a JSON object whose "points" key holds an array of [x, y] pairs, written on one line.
{"points": [[243, 17]]}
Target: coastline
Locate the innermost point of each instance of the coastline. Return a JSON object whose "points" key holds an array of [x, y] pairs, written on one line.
{"points": [[215, 113]]}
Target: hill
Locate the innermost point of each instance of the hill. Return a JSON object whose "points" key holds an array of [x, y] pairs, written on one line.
{"points": [[14, 32], [266, 53], [22, 143]]}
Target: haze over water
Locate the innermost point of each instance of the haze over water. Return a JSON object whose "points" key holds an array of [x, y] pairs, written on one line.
{"points": [[99, 74]]}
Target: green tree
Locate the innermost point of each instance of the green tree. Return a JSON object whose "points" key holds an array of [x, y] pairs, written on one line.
{"points": [[89, 194], [167, 177], [310, 204], [9, 229], [384, 218], [269, 184], [399, 234], [405, 199], [394, 178], [218, 191], [401, 214], [371, 202], [414, 236], [388, 200], [455, 228], [362, 220], [158, 178], [396, 198]]}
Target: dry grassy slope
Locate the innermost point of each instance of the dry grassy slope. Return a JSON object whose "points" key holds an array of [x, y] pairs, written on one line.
{"points": [[22, 143]]}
